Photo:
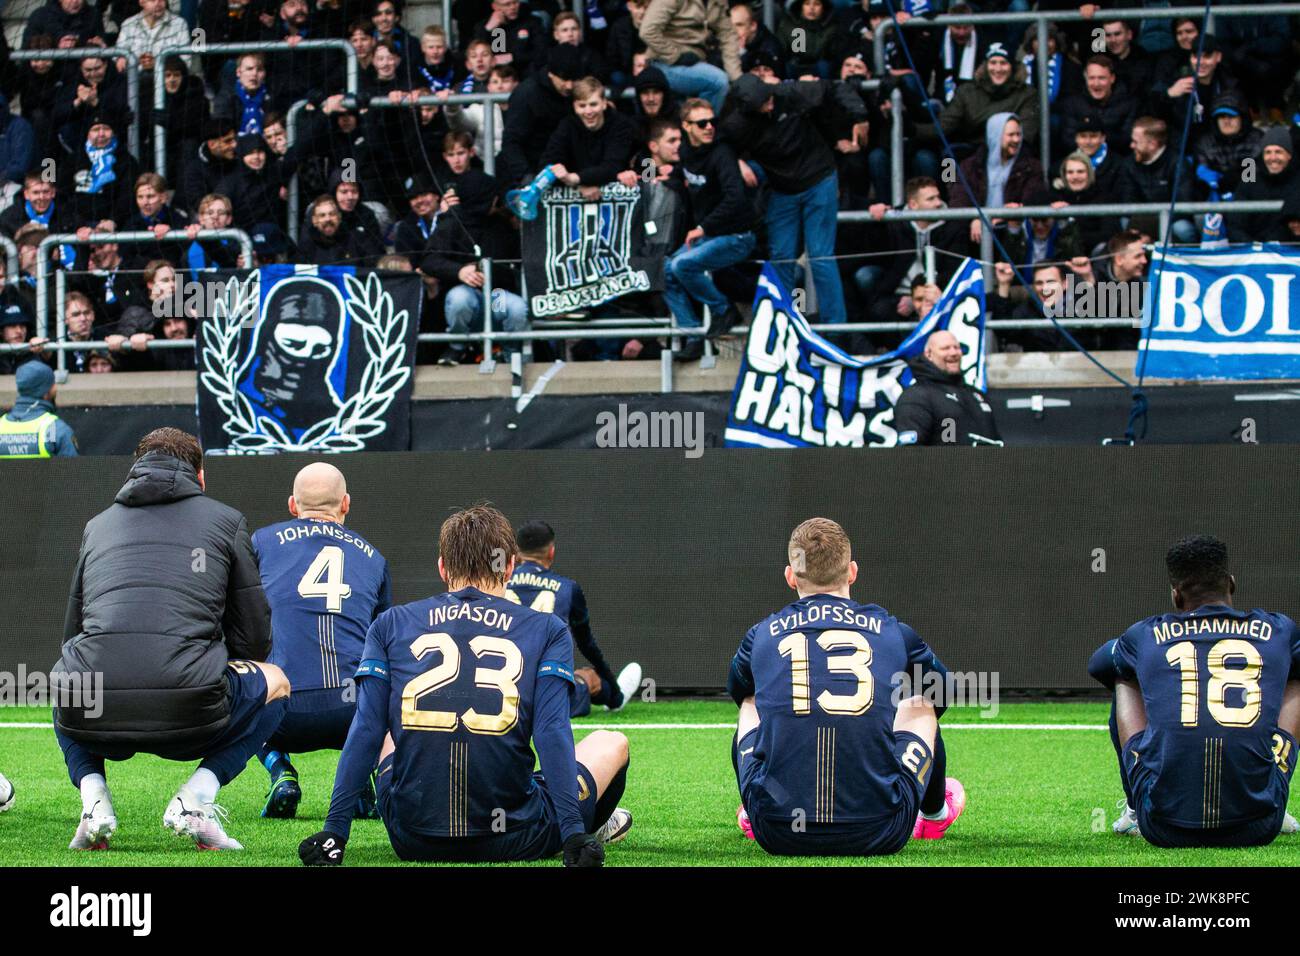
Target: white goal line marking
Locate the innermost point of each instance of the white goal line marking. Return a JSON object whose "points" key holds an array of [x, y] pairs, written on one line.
{"points": [[953, 726]]}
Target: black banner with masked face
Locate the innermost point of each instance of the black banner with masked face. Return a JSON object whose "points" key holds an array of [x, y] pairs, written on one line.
{"points": [[308, 359]]}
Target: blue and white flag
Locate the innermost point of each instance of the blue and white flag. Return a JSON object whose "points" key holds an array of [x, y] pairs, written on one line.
{"points": [[797, 390], [1223, 313], [307, 359]]}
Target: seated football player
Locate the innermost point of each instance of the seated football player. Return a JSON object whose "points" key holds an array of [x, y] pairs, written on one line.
{"points": [[325, 585], [827, 761], [455, 692], [1206, 710], [535, 584]]}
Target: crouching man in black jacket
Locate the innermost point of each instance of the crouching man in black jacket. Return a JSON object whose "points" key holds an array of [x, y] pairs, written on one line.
{"points": [[939, 408], [167, 610]]}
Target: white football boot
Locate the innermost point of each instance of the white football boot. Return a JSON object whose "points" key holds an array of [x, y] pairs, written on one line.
{"points": [[1127, 824], [201, 822], [97, 826], [629, 682], [1290, 824], [616, 827]]}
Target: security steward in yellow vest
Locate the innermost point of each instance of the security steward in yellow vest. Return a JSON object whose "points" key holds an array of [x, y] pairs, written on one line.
{"points": [[31, 429]]}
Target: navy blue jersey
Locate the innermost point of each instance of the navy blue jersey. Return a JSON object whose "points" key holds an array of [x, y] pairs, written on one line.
{"points": [[325, 585], [464, 672], [541, 589], [1212, 680], [823, 672]]}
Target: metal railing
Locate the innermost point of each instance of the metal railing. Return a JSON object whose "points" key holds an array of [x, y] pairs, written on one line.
{"points": [[103, 53], [666, 327], [104, 238], [351, 87], [1042, 76]]}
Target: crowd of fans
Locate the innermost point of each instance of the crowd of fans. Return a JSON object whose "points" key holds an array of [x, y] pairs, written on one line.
{"points": [[764, 135]]}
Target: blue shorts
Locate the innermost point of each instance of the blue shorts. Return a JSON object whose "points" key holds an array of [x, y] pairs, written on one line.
{"points": [[1259, 832], [537, 839], [315, 720], [878, 838]]}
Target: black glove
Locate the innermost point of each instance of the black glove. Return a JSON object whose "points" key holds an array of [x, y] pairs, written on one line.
{"points": [[583, 849], [322, 849]]}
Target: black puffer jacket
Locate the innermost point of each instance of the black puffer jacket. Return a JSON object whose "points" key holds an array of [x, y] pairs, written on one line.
{"points": [[166, 591], [933, 398]]}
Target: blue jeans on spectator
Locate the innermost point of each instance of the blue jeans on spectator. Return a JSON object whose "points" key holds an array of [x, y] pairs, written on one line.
{"points": [[701, 79], [687, 279], [866, 278], [812, 215], [464, 309]]}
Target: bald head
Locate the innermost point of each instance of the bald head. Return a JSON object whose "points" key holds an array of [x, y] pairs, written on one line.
{"points": [[320, 491], [944, 352]]}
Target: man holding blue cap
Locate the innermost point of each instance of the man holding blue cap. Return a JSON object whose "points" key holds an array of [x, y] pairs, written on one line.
{"points": [[31, 429]]}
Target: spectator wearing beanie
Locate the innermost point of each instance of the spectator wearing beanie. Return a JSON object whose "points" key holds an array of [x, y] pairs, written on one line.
{"points": [[999, 87], [100, 174], [536, 108], [31, 429], [1275, 178], [1229, 140], [1090, 139]]}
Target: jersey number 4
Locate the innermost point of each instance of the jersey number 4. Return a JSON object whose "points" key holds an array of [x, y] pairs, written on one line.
{"points": [[858, 663], [1183, 656], [504, 680], [544, 601], [324, 579]]}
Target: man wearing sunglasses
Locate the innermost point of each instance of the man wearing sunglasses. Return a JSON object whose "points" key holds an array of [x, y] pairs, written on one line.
{"points": [[722, 236]]}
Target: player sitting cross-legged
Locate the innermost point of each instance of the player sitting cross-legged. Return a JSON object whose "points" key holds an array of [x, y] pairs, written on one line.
{"points": [[325, 585], [1206, 711], [454, 689], [535, 584], [829, 761]]}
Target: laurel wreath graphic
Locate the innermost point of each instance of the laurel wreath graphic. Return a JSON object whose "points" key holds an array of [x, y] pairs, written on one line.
{"points": [[359, 418]]}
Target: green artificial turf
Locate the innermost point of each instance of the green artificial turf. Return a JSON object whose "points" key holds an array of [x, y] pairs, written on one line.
{"points": [[1035, 797]]}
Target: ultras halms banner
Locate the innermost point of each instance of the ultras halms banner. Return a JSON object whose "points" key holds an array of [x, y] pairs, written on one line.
{"points": [[797, 390], [308, 358], [580, 253], [1226, 313]]}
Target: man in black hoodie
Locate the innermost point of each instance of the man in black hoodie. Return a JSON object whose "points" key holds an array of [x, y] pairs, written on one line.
{"points": [[536, 108], [167, 616], [1148, 174], [722, 236], [939, 408], [773, 125]]}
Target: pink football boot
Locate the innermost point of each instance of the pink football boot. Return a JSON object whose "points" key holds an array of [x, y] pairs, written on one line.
{"points": [[954, 798], [742, 821]]}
